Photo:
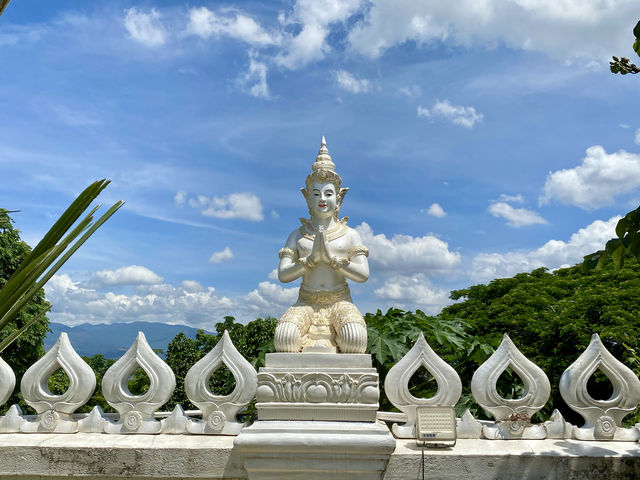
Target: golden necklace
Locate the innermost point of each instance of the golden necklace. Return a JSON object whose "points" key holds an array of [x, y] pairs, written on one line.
{"points": [[338, 230]]}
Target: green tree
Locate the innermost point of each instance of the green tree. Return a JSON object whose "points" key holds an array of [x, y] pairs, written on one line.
{"points": [[551, 316], [390, 335], [40, 264], [623, 65], [3, 5], [617, 249], [138, 383], [99, 364], [182, 353], [252, 340], [23, 273], [28, 348]]}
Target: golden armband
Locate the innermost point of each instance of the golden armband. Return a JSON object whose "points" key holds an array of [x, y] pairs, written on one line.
{"points": [[357, 250], [287, 252]]}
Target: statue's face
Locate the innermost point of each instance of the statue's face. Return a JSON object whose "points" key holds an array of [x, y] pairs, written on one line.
{"points": [[323, 199]]}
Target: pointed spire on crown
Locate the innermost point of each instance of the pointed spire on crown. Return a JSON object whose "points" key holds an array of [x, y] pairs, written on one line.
{"points": [[323, 160]]}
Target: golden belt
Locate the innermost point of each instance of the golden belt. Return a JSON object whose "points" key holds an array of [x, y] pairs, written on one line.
{"points": [[323, 298]]}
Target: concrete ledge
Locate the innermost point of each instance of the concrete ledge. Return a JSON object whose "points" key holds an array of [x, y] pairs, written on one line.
{"points": [[163, 457], [105, 457], [518, 459]]}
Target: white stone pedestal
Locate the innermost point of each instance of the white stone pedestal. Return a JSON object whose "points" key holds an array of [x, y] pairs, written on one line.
{"points": [[317, 386], [308, 450], [316, 420]]}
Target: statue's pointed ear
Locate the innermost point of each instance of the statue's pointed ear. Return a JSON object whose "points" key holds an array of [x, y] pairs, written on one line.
{"points": [[343, 192], [304, 194]]}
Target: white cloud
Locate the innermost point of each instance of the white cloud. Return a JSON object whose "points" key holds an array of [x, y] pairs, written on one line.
{"points": [[179, 199], [188, 304], [192, 286], [245, 205], [22, 34], [270, 298], [313, 17], [553, 254], [145, 27], [129, 275], [561, 29], [411, 292], [273, 274], [221, 256], [435, 210], [205, 23], [637, 137], [352, 84], [306, 47], [458, 115], [516, 217], [511, 198], [594, 183], [411, 91], [406, 255], [59, 285], [254, 81]]}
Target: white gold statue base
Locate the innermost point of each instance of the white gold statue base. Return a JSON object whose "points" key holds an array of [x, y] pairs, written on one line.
{"points": [[310, 450], [316, 420], [317, 386]]}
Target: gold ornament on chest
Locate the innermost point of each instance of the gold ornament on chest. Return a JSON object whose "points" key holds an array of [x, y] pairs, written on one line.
{"points": [[338, 230]]}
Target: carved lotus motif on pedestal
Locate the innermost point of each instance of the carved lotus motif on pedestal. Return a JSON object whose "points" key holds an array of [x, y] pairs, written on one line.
{"points": [[317, 388]]}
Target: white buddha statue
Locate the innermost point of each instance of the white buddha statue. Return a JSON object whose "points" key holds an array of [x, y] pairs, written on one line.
{"points": [[325, 252]]}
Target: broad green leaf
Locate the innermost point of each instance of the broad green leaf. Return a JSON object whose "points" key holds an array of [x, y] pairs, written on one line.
{"points": [[35, 270], [618, 256], [622, 226]]}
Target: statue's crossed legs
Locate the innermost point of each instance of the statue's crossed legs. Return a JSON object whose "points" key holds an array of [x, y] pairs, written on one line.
{"points": [[322, 320]]}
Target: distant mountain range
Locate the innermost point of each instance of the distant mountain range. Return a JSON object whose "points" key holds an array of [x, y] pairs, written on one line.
{"points": [[112, 340]]}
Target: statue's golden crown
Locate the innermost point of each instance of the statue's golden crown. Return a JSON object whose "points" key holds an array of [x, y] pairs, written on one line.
{"points": [[323, 169]]}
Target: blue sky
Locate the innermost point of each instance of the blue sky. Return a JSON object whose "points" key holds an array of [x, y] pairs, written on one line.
{"points": [[478, 139]]}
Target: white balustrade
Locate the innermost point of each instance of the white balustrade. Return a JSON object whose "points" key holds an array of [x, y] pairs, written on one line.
{"points": [[557, 426], [94, 422], [396, 385], [55, 411], [136, 411], [12, 420], [603, 418], [219, 411], [177, 422], [513, 415], [7, 381], [468, 427]]}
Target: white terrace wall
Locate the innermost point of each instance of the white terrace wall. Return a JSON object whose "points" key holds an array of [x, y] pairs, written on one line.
{"points": [[140, 443]]}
